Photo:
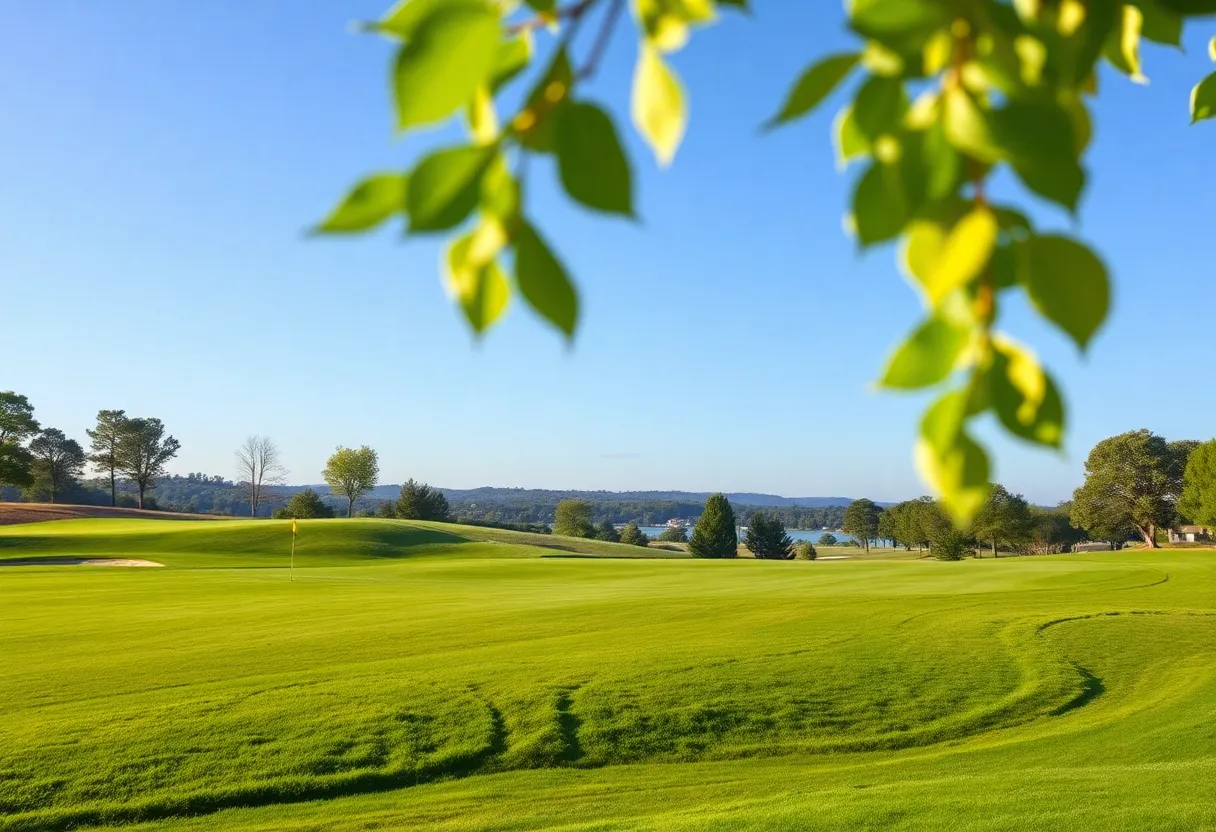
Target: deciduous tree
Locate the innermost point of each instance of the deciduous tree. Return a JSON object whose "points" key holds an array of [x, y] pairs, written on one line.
{"points": [[674, 534], [861, 520], [351, 473], [715, 535], [17, 424], [258, 466], [608, 532], [305, 505], [633, 535], [105, 438], [1005, 518], [58, 461], [143, 451], [766, 538], [573, 519], [1198, 501], [1132, 481]]}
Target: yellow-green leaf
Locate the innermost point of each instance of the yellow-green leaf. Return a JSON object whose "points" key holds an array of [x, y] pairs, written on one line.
{"points": [[928, 356], [474, 277], [659, 109], [1067, 283], [848, 140], [967, 126], [450, 54], [543, 280], [590, 160], [815, 84], [965, 253], [512, 58], [1203, 99], [445, 186], [404, 18], [1122, 48], [950, 461], [365, 206], [1025, 398]]}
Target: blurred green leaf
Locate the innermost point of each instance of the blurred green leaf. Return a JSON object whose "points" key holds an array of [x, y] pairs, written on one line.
{"points": [[1188, 7], [1025, 398], [474, 277], [591, 162], [1068, 284], [927, 356], [814, 85], [404, 18], [451, 53], [950, 460], [1122, 47], [512, 58], [1038, 140], [543, 281], [366, 205], [535, 122], [967, 126], [1160, 25], [897, 20], [942, 162], [659, 109], [500, 191], [880, 207], [1203, 99], [879, 106], [445, 186], [848, 140], [964, 254]]}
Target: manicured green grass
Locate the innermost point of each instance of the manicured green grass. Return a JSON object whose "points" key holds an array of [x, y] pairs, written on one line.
{"points": [[434, 676]]}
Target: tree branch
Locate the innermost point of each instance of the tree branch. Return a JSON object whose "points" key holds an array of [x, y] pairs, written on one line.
{"points": [[571, 12], [607, 25]]}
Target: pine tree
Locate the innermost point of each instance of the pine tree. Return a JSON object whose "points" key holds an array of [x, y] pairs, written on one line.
{"points": [[608, 532], [766, 538], [715, 535], [634, 536]]}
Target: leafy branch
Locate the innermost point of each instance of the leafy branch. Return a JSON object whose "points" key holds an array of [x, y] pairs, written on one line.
{"points": [[947, 93]]}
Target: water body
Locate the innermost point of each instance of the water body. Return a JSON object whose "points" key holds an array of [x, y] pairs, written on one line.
{"points": [[812, 535]]}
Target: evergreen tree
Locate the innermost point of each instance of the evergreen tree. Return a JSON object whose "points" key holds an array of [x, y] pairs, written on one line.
{"points": [[58, 462], [766, 538], [418, 501], [608, 532], [861, 521], [634, 536], [715, 535]]}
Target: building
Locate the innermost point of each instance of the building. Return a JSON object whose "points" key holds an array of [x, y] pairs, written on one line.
{"points": [[1191, 534]]}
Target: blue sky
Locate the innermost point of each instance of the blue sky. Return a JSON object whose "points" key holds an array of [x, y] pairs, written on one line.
{"points": [[159, 163]]}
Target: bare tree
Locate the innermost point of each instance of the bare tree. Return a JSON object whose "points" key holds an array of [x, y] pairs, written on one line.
{"points": [[258, 466]]}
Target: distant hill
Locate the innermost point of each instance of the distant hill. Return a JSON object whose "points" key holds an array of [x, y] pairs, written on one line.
{"points": [[545, 495]]}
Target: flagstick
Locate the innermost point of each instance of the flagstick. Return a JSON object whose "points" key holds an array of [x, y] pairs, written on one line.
{"points": [[292, 572]]}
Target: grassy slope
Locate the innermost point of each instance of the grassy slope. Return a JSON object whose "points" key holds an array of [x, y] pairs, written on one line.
{"points": [[595, 693]]}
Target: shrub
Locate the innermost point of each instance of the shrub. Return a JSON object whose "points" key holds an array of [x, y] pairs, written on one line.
{"points": [[674, 534], [634, 536], [805, 551], [828, 539], [950, 545], [304, 505]]}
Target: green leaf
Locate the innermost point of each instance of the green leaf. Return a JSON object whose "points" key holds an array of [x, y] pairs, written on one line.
{"points": [[542, 6], [1068, 284], [474, 277], [500, 191], [887, 20], [451, 53], [543, 281], [535, 122], [1122, 47], [403, 19], [1160, 25], [815, 84], [1037, 138], [366, 205], [1189, 7], [879, 106], [659, 110], [967, 126], [445, 186], [880, 207], [928, 356], [591, 162], [1203, 99], [953, 464], [942, 163], [964, 254], [849, 142], [1026, 399], [1212, 48], [512, 58]]}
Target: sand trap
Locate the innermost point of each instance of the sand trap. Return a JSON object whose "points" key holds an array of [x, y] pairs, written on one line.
{"points": [[79, 562], [834, 557]]}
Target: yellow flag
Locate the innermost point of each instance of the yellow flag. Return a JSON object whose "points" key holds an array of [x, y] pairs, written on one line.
{"points": [[293, 526]]}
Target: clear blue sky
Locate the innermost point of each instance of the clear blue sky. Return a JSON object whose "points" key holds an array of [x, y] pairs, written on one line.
{"points": [[160, 161]]}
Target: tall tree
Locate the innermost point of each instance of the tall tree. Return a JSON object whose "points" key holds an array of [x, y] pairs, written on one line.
{"points": [[1198, 500], [608, 532], [766, 538], [633, 535], [418, 501], [104, 438], [258, 467], [861, 520], [1132, 481], [143, 451], [58, 461], [573, 519], [1005, 518], [715, 535], [352, 473], [17, 423]]}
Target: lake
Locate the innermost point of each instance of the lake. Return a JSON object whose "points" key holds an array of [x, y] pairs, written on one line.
{"points": [[812, 535]]}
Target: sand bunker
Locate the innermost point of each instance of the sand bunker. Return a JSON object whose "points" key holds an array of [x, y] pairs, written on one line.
{"points": [[79, 562]]}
